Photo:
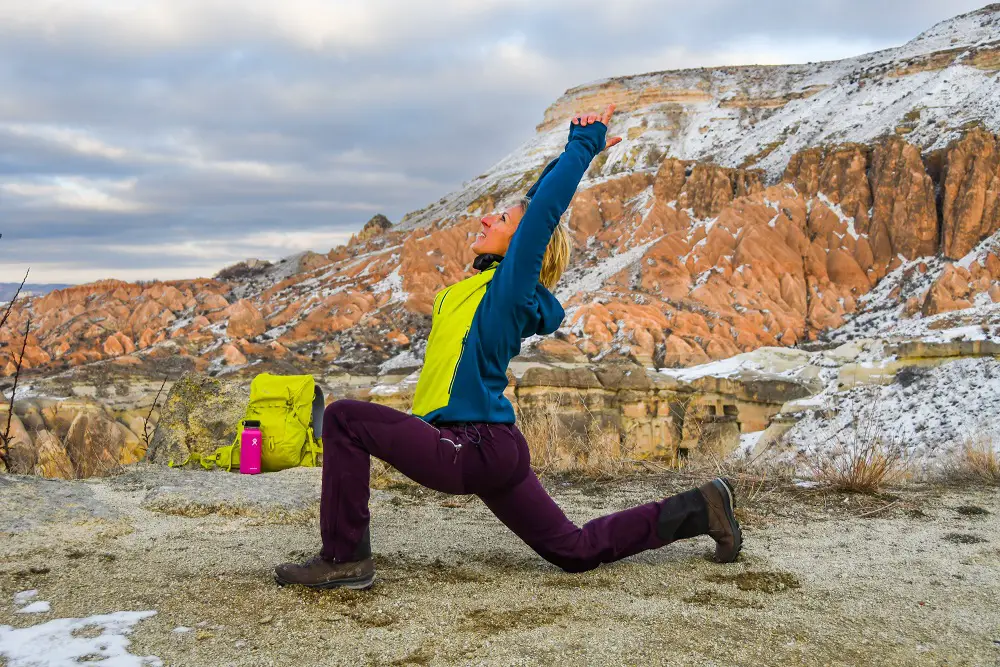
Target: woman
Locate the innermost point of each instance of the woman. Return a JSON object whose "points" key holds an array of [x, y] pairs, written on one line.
{"points": [[461, 438]]}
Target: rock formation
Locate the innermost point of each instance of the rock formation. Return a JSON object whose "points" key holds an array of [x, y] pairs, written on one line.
{"points": [[686, 264]]}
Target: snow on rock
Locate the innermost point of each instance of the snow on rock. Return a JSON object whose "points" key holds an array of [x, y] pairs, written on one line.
{"points": [[721, 369], [773, 361], [405, 359], [929, 89], [748, 441], [58, 643], [393, 283], [880, 311], [591, 280], [392, 389]]}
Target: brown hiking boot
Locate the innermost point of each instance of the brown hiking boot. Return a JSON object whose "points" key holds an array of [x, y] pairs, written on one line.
{"points": [[722, 524], [317, 572]]}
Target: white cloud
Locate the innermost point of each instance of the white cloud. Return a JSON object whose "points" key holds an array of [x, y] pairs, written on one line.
{"points": [[203, 258], [74, 192], [339, 26], [167, 128]]}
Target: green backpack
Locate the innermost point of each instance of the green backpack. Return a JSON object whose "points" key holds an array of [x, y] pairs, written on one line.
{"points": [[290, 411]]}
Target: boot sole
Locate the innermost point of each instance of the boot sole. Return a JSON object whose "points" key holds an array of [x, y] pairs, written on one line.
{"points": [[356, 584], [734, 525]]}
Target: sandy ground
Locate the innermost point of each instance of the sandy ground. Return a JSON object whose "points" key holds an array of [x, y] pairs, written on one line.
{"points": [[825, 579]]}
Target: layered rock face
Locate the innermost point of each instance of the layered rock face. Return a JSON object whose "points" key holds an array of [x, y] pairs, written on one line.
{"points": [[690, 263]]}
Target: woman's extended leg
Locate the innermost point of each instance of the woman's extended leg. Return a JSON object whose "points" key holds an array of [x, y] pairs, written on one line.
{"points": [[528, 510]]}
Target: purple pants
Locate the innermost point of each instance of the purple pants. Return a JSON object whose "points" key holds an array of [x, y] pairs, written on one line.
{"points": [[490, 461]]}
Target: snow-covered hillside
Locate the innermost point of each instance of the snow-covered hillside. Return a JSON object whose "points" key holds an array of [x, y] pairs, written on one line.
{"points": [[929, 90]]}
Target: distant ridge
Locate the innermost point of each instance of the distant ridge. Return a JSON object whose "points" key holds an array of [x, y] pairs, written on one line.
{"points": [[7, 290]]}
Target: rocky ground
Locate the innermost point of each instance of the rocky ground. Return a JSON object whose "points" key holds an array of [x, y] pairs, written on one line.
{"points": [[825, 579]]}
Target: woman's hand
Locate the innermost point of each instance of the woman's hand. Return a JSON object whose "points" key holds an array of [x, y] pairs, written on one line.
{"points": [[583, 120]]}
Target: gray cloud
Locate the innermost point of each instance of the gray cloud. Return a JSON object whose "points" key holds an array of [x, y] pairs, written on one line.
{"points": [[171, 137]]}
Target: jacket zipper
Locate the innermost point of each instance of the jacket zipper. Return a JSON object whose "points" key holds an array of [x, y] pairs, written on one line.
{"points": [[461, 354], [443, 297]]}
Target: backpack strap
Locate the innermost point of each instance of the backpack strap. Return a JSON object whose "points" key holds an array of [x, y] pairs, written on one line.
{"points": [[221, 457], [319, 405], [314, 450], [314, 434]]}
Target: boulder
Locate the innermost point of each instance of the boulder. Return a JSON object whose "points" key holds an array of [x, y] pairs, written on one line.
{"points": [[199, 415], [95, 445], [245, 321], [21, 455], [232, 355], [53, 459]]}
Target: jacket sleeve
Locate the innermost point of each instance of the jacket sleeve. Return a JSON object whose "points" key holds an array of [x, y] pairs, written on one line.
{"points": [[517, 275]]}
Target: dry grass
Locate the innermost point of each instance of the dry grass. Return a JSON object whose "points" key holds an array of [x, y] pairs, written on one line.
{"points": [[755, 478], [865, 458], [979, 459], [602, 452]]}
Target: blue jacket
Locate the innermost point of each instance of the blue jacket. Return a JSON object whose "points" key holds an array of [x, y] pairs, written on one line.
{"points": [[479, 323]]}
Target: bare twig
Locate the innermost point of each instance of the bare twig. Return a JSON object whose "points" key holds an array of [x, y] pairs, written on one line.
{"points": [[14, 298], [879, 510], [13, 392], [145, 422]]}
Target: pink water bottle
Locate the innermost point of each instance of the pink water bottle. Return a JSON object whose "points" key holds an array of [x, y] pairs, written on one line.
{"points": [[250, 447]]}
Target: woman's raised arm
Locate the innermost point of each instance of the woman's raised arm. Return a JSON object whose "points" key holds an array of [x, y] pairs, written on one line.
{"points": [[515, 281]]}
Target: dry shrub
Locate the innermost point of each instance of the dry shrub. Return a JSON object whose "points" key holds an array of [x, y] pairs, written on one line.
{"points": [[979, 458], [602, 452], [544, 431], [866, 457]]}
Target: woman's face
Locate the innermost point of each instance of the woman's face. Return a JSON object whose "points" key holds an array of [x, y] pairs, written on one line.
{"points": [[497, 230]]}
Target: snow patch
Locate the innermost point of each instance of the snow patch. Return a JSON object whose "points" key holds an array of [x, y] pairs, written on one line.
{"points": [[592, 279], [39, 607], [393, 389], [54, 644], [392, 283], [721, 369], [24, 596], [929, 414], [748, 441], [405, 359]]}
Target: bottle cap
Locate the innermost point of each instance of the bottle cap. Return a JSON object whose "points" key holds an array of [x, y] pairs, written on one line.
{"points": [[251, 423]]}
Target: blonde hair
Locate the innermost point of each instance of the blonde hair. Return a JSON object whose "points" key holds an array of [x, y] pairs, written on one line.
{"points": [[557, 253]]}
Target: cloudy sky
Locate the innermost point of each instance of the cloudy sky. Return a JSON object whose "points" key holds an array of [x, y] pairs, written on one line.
{"points": [[146, 139]]}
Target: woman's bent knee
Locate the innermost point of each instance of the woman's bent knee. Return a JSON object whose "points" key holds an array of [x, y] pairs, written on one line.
{"points": [[338, 407], [336, 422], [340, 411]]}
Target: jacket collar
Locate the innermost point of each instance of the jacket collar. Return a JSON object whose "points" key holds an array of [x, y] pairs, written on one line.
{"points": [[484, 262]]}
